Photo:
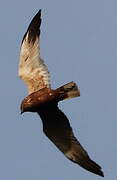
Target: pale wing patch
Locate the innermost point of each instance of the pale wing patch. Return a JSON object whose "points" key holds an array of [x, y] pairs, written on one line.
{"points": [[31, 67]]}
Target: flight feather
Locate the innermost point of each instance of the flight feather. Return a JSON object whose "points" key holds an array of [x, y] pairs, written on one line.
{"points": [[31, 66]]}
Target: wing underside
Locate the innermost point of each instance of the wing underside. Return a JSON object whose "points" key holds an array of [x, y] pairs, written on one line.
{"points": [[31, 67], [57, 128]]}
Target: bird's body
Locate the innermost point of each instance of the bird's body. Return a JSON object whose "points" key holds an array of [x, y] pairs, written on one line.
{"points": [[44, 100], [46, 96]]}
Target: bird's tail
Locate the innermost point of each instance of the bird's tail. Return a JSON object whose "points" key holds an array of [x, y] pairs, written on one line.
{"points": [[68, 91]]}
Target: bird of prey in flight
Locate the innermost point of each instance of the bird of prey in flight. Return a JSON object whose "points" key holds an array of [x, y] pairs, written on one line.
{"points": [[44, 100]]}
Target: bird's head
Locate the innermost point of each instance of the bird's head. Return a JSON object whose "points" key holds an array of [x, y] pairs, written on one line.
{"points": [[31, 103], [37, 100], [23, 107], [26, 105]]}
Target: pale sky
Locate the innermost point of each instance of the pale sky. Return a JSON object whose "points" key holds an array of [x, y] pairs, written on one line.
{"points": [[78, 43]]}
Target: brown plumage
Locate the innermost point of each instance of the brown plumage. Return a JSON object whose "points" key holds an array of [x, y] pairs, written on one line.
{"points": [[44, 100]]}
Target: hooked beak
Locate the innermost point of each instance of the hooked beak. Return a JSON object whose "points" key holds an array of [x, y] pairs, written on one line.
{"points": [[22, 112]]}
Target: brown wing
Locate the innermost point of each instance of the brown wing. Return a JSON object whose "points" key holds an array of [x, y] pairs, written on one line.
{"points": [[31, 67], [57, 128]]}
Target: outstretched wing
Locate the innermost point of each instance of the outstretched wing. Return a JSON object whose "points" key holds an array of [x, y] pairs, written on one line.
{"points": [[57, 128], [31, 67]]}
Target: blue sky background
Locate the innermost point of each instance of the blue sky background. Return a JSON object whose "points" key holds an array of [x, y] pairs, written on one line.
{"points": [[79, 43]]}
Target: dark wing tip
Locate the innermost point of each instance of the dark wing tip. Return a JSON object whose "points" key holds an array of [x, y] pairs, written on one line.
{"points": [[95, 168], [34, 28], [100, 173], [88, 164]]}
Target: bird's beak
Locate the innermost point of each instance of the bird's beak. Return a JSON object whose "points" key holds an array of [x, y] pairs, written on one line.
{"points": [[79, 92], [21, 109], [21, 112]]}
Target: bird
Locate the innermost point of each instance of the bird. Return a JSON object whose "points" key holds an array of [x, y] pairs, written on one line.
{"points": [[44, 100]]}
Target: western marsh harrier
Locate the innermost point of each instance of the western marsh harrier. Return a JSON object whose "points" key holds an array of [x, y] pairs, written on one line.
{"points": [[44, 100]]}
